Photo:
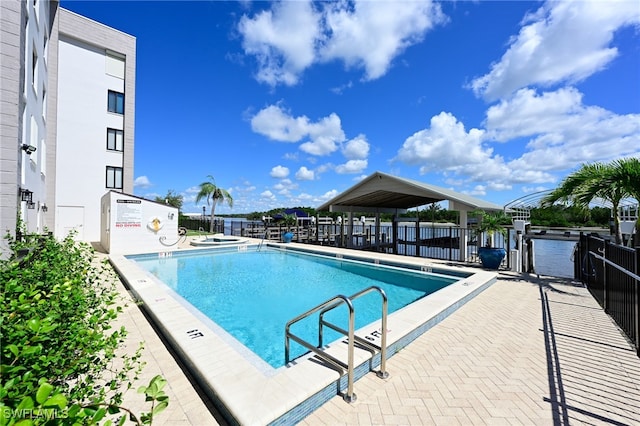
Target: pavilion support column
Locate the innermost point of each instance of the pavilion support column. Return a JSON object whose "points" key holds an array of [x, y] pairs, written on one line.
{"points": [[463, 241], [394, 232], [417, 238], [350, 229]]}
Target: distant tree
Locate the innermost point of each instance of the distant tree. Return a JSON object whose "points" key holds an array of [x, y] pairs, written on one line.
{"points": [[172, 199], [610, 182], [433, 211], [600, 216], [214, 195]]}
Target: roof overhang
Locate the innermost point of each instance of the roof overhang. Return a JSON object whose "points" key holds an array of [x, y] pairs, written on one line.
{"points": [[383, 193]]}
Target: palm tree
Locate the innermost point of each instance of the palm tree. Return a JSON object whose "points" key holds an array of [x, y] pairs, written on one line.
{"points": [[609, 182], [490, 223], [627, 172], [213, 194]]}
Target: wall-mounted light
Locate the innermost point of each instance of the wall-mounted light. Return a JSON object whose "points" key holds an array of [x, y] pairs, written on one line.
{"points": [[170, 216], [26, 195], [31, 205], [29, 149]]}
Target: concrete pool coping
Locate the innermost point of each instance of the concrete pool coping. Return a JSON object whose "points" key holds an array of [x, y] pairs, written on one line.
{"points": [[246, 394]]}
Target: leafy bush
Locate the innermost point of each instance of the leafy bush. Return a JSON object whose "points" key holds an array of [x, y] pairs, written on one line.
{"points": [[58, 344]]}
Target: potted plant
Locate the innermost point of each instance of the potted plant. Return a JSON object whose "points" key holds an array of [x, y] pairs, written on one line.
{"points": [[490, 223], [288, 220]]}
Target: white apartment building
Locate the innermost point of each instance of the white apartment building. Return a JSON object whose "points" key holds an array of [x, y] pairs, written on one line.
{"points": [[66, 119], [93, 82], [24, 41]]}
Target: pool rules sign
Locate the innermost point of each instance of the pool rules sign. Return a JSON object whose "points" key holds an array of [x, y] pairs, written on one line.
{"points": [[128, 213]]}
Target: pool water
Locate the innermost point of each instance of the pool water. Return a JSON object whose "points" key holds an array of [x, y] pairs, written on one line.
{"points": [[253, 294]]}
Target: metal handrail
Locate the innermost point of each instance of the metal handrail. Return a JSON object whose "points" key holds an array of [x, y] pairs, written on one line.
{"points": [[618, 267], [382, 373], [349, 396], [263, 238]]}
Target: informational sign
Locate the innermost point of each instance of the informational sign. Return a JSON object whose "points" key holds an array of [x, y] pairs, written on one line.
{"points": [[129, 214]]}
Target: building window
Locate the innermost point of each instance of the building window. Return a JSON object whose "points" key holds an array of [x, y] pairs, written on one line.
{"points": [[116, 102], [114, 177], [114, 140]]}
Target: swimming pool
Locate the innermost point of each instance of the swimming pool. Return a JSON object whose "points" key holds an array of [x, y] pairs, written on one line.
{"points": [[244, 388], [252, 294]]}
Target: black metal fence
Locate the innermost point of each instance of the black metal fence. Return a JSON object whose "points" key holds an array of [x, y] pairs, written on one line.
{"points": [[610, 272], [435, 241]]}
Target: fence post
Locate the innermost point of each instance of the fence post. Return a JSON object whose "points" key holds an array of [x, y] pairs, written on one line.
{"points": [[508, 256], [636, 271], [577, 259], [605, 291]]}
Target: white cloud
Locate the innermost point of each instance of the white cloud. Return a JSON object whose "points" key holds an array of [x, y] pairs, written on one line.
{"points": [[357, 148], [564, 41], [478, 190], [282, 41], [142, 182], [340, 89], [323, 168], [562, 131], [279, 172], [369, 34], [329, 195], [284, 186], [324, 135], [446, 144], [352, 166], [499, 186], [277, 125], [448, 148], [305, 174], [530, 189], [558, 132], [293, 156], [268, 195], [527, 113], [292, 36]]}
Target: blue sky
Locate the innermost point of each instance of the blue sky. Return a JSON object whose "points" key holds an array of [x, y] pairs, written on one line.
{"points": [[290, 103]]}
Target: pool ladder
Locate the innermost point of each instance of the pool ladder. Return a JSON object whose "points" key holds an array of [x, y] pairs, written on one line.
{"points": [[264, 237], [327, 306]]}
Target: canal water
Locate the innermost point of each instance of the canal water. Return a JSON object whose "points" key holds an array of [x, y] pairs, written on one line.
{"points": [[554, 257]]}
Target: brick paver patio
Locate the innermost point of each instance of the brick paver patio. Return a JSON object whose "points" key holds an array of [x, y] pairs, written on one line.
{"points": [[528, 350]]}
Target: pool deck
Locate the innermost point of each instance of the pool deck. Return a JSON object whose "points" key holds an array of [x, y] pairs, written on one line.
{"points": [[527, 350]]}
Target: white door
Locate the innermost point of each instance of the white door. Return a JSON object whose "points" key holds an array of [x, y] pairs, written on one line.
{"points": [[69, 218]]}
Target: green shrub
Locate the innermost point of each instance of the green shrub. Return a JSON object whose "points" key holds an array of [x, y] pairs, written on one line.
{"points": [[58, 344]]}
